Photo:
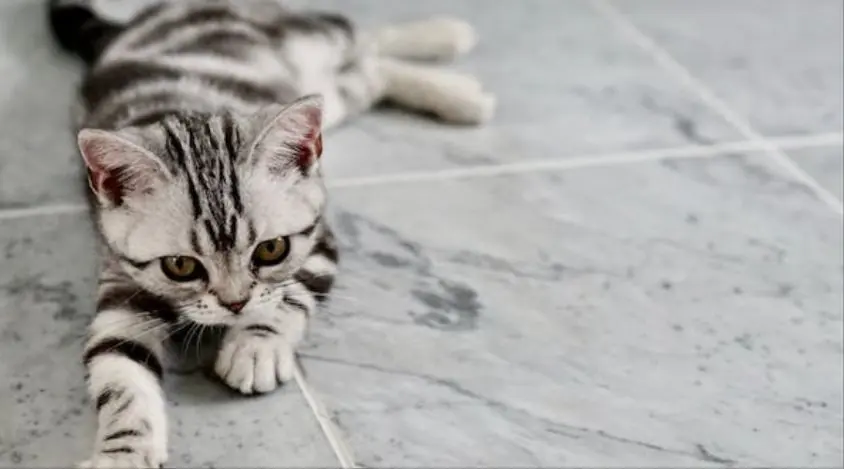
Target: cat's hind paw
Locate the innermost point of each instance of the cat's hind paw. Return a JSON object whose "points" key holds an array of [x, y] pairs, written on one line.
{"points": [[440, 38], [454, 97]]}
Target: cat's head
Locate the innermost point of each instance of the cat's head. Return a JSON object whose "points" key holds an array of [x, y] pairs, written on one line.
{"points": [[212, 213]]}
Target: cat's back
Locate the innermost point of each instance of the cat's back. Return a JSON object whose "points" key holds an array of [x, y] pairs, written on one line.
{"points": [[198, 56]]}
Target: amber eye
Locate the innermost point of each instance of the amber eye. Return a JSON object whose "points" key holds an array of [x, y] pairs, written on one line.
{"points": [[182, 268], [270, 252]]}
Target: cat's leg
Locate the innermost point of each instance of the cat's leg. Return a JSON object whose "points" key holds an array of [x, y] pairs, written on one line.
{"points": [[440, 38], [259, 353], [123, 357], [451, 96], [345, 67], [328, 56], [454, 97], [356, 88]]}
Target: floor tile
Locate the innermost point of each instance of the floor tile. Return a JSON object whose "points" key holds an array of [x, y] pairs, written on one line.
{"points": [[824, 164], [46, 284], [38, 162], [679, 313], [777, 62]]}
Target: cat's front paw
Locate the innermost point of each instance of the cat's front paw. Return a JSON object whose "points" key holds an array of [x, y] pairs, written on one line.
{"points": [[129, 460], [255, 362]]}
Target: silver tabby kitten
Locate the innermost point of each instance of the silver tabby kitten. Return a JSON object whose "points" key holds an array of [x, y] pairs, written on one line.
{"points": [[208, 193]]}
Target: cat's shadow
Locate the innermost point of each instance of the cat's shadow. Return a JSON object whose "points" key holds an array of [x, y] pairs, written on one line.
{"points": [[190, 372]]}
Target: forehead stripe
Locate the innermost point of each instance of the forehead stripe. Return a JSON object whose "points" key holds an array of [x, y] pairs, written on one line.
{"points": [[175, 148], [194, 241]]}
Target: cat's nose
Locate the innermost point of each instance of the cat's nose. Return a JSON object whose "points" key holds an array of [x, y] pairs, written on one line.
{"points": [[235, 306]]}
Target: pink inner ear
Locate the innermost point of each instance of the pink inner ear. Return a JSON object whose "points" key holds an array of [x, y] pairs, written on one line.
{"points": [[107, 183], [310, 149], [102, 180], [293, 137], [313, 113], [117, 167], [318, 145]]}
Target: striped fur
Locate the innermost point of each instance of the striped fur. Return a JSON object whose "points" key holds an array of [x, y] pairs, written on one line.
{"points": [[189, 155], [201, 132], [206, 55]]}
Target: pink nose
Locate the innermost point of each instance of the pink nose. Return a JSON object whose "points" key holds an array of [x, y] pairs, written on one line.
{"points": [[236, 306]]}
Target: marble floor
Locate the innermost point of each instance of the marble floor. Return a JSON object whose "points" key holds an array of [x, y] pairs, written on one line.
{"points": [[637, 263]]}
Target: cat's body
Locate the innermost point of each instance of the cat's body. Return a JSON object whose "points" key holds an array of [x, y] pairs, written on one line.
{"points": [[221, 55], [203, 160]]}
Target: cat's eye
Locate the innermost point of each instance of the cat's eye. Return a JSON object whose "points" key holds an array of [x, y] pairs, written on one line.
{"points": [[182, 268], [271, 252]]}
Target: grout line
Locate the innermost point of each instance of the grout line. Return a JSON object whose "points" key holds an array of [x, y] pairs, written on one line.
{"points": [[546, 164], [329, 429], [585, 161], [41, 210], [708, 97]]}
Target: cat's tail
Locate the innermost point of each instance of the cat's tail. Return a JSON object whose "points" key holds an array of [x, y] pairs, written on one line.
{"points": [[78, 29]]}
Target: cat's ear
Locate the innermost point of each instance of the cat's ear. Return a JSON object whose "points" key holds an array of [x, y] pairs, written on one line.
{"points": [[117, 167], [291, 137]]}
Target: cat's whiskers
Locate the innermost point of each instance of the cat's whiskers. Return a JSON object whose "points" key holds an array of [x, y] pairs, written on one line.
{"points": [[131, 296], [118, 326], [279, 294], [199, 341], [188, 336], [139, 335], [178, 329]]}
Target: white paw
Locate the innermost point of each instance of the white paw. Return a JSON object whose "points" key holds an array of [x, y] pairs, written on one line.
{"points": [[253, 363], [450, 37], [121, 461], [441, 38], [476, 108], [461, 97], [455, 97], [457, 82]]}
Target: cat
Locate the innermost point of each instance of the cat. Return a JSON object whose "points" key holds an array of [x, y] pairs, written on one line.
{"points": [[200, 125]]}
